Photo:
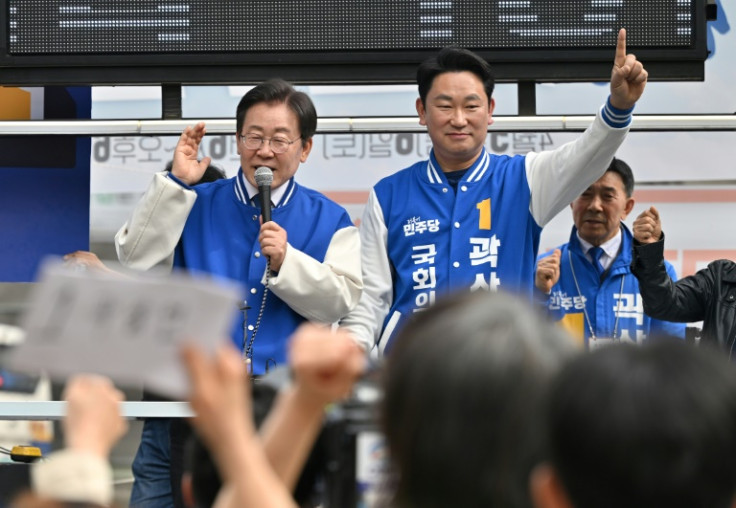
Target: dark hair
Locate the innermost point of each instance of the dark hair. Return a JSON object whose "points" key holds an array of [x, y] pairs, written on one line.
{"points": [[279, 91], [645, 426], [624, 171], [463, 386], [452, 59], [211, 174]]}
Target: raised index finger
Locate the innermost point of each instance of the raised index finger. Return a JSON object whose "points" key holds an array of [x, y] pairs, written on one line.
{"points": [[620, 48]]}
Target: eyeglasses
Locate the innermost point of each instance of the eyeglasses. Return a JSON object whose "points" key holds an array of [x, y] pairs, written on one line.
{"points": [[277, 144]]}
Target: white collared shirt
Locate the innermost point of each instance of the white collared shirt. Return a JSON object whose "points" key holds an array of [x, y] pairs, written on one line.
{"points": [[276, 194], [610, 249]]}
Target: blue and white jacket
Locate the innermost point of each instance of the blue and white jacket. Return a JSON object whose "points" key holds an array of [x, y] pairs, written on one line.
{"points": [[421, 240], [213, 228]]}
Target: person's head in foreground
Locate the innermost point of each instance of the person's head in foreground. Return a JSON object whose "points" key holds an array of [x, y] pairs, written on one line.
{"points": [[641, 427], [463, 387]]}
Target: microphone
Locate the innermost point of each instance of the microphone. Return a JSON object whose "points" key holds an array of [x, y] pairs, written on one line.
{"points": [[264, 179]]}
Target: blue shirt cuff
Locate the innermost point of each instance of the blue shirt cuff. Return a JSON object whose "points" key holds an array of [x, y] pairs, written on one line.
{"points": [[615, 117], [172, 177]]}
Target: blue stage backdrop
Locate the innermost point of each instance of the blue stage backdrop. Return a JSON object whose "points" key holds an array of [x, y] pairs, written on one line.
{"points": [[44, 187]]}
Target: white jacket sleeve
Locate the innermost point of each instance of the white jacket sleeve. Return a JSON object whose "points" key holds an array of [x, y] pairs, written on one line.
{"points": [[149, 238], [557, 177], [73, 476], [322, 292], [366, 320]]}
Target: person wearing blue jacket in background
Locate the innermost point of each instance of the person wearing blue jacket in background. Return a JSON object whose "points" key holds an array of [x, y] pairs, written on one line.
{"points": [[587, 282]]}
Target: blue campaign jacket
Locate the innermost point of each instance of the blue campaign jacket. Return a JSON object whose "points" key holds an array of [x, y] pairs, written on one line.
{"points": [[221, 238], [482, 237], [604, 300]]}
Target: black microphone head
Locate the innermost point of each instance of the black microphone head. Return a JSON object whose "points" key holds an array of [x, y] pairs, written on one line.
{"points": [[264, 176]]}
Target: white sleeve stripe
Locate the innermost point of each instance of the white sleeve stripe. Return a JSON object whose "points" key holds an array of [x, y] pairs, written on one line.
{"points": [[390, 327], [432, 173], [479, 171], [239, 191]]}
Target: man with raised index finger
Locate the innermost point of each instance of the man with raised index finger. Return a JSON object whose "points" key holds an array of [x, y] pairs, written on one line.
{"points": [[465, 218]]}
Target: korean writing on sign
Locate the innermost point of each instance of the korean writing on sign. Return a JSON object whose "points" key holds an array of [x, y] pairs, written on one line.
{"points": [[222, 148], [424, 275], [375, 146], [519, 142], [127, 327], [158, 150]]}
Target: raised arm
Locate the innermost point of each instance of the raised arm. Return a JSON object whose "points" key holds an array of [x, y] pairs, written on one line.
{"points": [[220, 397], [557, 177], [648, 227], [663, 298], [628, 76], [149, 237], [325, 364], [660, 327], [186, 167], [548, 272], [92, 425]]}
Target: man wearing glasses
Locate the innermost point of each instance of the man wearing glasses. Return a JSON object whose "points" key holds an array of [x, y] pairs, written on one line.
{"points": [[311, 246]]}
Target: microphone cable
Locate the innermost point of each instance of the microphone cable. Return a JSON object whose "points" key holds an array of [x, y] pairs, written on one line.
{"points": [[249, 348]]}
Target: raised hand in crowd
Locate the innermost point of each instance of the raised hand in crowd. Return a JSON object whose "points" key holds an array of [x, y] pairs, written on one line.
{"points": [[220, 396], [93, 421], [325, 365], [80, 473]]}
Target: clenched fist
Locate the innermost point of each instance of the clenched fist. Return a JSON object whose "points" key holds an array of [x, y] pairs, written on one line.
{"points": [[548, 272], [648, 227]]}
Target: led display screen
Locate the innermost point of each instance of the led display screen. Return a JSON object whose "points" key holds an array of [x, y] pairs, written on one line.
{"points": [[176, 34]]}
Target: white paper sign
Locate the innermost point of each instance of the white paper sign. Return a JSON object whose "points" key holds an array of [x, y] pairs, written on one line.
{"points": [[128, 327]]}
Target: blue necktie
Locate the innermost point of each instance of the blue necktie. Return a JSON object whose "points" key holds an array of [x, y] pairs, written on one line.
{"points": [[595, 254]]}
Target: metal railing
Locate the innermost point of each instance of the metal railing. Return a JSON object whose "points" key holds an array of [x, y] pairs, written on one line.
{"points": [[367, 125], [56, 410]]}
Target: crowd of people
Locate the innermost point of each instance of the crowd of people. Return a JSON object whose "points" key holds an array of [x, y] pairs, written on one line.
{"points": [[486, 403], [488, 398]]}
